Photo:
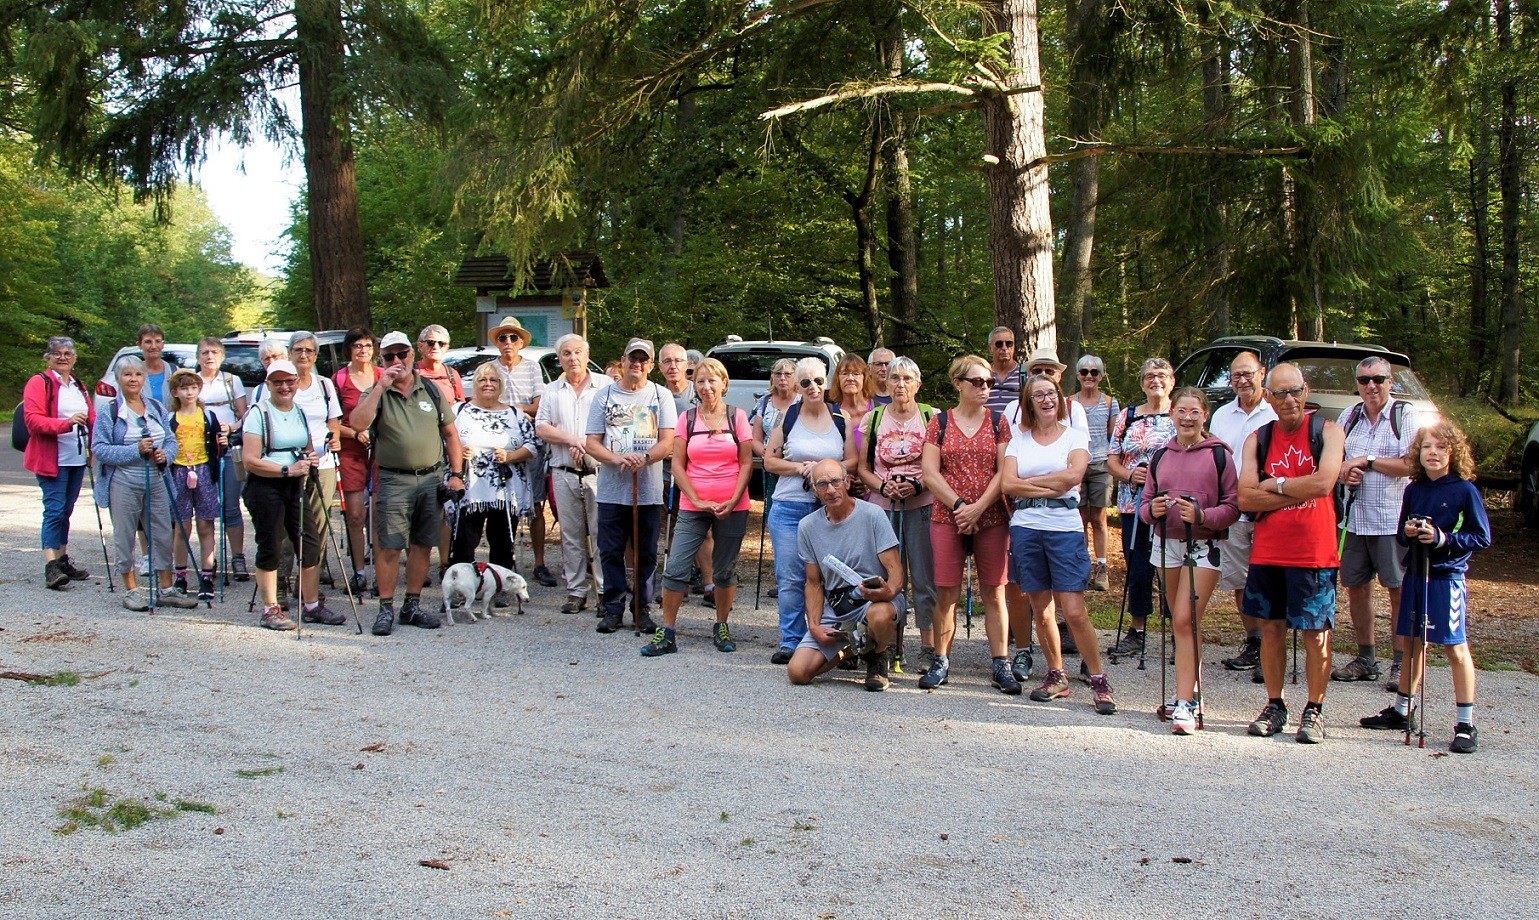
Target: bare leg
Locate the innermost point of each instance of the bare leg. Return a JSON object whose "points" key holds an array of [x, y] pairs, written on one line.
{"points": [[1078, 620], [1317, 643], [1047, 629], [417, 558], [387, 571], [672, 601], [994, 620], [945, 626]]}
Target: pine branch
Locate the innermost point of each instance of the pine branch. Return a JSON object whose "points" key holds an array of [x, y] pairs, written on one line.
{"points": [[867, 92]]}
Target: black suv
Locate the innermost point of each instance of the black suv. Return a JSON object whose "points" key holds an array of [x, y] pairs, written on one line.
{"points": [[1329, 368]]}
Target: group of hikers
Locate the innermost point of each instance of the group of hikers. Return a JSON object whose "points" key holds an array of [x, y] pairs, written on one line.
{"points": [[878, 506]]}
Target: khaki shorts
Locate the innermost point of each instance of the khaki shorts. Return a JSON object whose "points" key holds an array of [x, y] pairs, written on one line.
{"points": [[1095, 490], [406, 508], [1364, 557], [1234, 556]]}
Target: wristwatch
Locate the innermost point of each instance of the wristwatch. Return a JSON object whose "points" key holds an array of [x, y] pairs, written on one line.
{"points": [[957, 505], [1280, 481], [1371, 458], [284, 472]]}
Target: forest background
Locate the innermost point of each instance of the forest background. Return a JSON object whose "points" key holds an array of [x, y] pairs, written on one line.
{"points": [[1128, 178]]}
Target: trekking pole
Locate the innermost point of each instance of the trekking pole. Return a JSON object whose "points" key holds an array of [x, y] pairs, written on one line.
{"points": [[299, 564], [149, 536], [221, 548], [1295, 657], [1420, 706], [1346, 515], [507, 513], [967, 552], [1191, 588], [763, 526], [636, 585], [100, 532], [902, 622], [330, 536], [1164, 589], [1122, 608]]}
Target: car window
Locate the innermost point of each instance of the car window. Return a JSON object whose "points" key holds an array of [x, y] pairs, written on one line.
{"points": [[550, 367], [755, 363], [241, 360]]}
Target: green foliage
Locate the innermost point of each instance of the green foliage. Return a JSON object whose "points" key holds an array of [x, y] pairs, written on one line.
{"points": [[96, 807]]}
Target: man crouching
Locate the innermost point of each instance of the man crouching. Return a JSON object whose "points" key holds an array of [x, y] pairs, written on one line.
{"points": [[854, 579]]}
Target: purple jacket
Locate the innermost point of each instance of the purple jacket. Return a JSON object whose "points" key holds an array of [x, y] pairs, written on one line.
{"points": [[1193, 471]]}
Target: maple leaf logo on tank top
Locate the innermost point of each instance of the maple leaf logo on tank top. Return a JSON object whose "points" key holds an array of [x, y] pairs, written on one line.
{"points": [[1292, 464]]}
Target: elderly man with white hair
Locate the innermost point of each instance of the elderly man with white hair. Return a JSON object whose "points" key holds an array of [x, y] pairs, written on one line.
{"points": [[562, 422]]}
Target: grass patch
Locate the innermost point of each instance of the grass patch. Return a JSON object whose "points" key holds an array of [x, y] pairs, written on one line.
{"points": [[258, 771], [193, 805], [96, 807], [105, 760]]}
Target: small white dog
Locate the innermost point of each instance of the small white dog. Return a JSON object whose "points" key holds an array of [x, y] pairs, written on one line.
{"points": [[467, 583]]}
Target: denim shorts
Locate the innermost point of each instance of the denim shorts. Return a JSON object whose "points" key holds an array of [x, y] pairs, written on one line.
{"points": [[1049, 560]]}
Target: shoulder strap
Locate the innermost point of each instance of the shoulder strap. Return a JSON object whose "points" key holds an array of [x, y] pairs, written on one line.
{"points": [[1354, 415], [1397, 410], [1263, 445], [871, 426], [940, 435], [1317, 437], [267, 430], [789, 419], [1220, 457], [1154, 466], [438, 398]]}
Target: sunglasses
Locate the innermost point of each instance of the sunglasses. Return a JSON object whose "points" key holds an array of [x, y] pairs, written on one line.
{"points": [[1089, 372], [435, 343], [284, 384], [813, 382], [982, 383], [390, 356], [1004, 343], [507, 337], [1375, 379], [637, 357]]}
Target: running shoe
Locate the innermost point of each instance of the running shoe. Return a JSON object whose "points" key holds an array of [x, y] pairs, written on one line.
{"points": [[1357, 669], [1389, 720], [384, 622], [1132, 644], [206, 586], [181, 600], [1273, 719], [274, 618], [721, 636], [1311, 726], [1183, 718], [1466, 739], [1004, 676], [1054, 686], [1101, 688], [1393, 683], [782, 655], [136, 599], [662, 643], [1249, 656], [238, 567], [1020, 665], [323, 615], [937, 674]]}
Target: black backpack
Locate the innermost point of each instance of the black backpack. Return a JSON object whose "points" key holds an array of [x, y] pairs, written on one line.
{"points": [[1316, 449], [795, 412], [20, 433]]}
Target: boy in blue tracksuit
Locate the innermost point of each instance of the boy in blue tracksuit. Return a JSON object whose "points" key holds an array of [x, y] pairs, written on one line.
{"points": [[1442, 523]]}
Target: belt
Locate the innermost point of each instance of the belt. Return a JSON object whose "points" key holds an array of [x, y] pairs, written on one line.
{"points": [[1024, 503], [573, 470], [421, 471]]}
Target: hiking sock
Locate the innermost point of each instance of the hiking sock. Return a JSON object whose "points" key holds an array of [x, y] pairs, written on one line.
{"points": [[311, 605], [1100, 560], [1368, 653], [1278, 702], [1399, 656], [1466, 713], [1403, 703], [413, 598], [1317, 707], [387, 603]]}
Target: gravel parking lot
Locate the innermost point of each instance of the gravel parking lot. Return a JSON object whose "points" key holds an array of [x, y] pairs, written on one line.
{"points": [[540, 769]]}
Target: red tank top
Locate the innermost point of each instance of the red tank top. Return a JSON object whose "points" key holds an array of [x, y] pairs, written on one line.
{"points": [[1300, 536]]}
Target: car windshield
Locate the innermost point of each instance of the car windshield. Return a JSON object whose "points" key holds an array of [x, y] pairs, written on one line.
{"points": [[1337, 373], [241, 360], [755, 363]]}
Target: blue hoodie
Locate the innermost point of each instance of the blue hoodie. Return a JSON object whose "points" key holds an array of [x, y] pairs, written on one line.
{"points": [[1456, 510]]}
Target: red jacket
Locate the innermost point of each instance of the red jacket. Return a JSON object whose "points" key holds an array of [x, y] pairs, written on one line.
{"points": [[40, 405]]}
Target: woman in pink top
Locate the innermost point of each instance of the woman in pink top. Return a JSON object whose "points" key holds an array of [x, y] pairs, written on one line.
{"points": [[712, 463]]}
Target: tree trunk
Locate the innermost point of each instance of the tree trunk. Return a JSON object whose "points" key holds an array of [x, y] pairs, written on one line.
{"points": [[865, 237], [1510, 177], [902, 248], [338, 277], [1480, 262], [1020, 223], [1307, 293], [1215, 115], [1088, 35]]}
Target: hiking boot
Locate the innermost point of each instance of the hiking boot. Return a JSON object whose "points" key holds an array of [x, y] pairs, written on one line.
{"points": [[773, 593], [877, 664], [722, 637], [937, 674], [1131, 645], [1021, 664], [238, 567], [358, 584], [54, 575], [1183, 718], [321, 614], [177, 598], [1084, 673], [1311, 726], [574, 604], [611, 623], [645, 624], [709, 597], [1066, 643], [384, 623], [68, 567], [1466, 739], [274, 618], [1273, 719], [205, 586], [662, 643], [1392, 684], [782, 655], [1055, 685], [412, 614], [180, 583], [1004, 677], [1101, 688], [543, 577], [1389, 720], [1248, 658], [1098, 577], [136, 599], [1357, 669]]}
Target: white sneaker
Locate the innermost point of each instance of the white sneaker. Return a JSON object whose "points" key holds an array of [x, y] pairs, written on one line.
{"points": [[1183, 718]]}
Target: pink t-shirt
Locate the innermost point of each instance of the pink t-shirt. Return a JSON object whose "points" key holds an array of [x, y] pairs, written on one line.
{"points": [[713, 460]]}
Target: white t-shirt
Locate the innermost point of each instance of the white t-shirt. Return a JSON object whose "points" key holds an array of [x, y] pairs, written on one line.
{"points": [[1076, 420], [71, 400], [1233, 425], [220, 395], [1033, 459], [319, 402]]}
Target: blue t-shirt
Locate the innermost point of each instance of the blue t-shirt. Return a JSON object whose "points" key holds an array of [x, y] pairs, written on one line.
{"points": [[290, 435]]}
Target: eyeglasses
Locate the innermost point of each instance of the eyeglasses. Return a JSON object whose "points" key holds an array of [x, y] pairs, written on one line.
{"points": [[853, 375], [1154, 375], [814, 382], [1004, 343], [301, 351], [672, 361], [1046, 396], [284, 384], [1089, 372], [435, 343], [390, 356], [1289, 393], [637, 357], [784, 374], [61, 355], [507, 337], [358, 345], [1243, 375], [823, 485], [982, 383], [1185, 414], [1375, 379]]}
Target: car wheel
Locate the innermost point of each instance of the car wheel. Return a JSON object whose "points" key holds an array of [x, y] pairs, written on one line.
{"points": [[1528, 490]]}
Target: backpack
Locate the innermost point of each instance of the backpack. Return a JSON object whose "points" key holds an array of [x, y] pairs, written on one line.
{"points": [[793, 413], [20, 433], [1316, 449], [995, 417], [1397, 411], [689, 425], [926, 412]]}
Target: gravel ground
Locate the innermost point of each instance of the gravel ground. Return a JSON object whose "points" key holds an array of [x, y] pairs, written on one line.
{"points": [[554, 771]]}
